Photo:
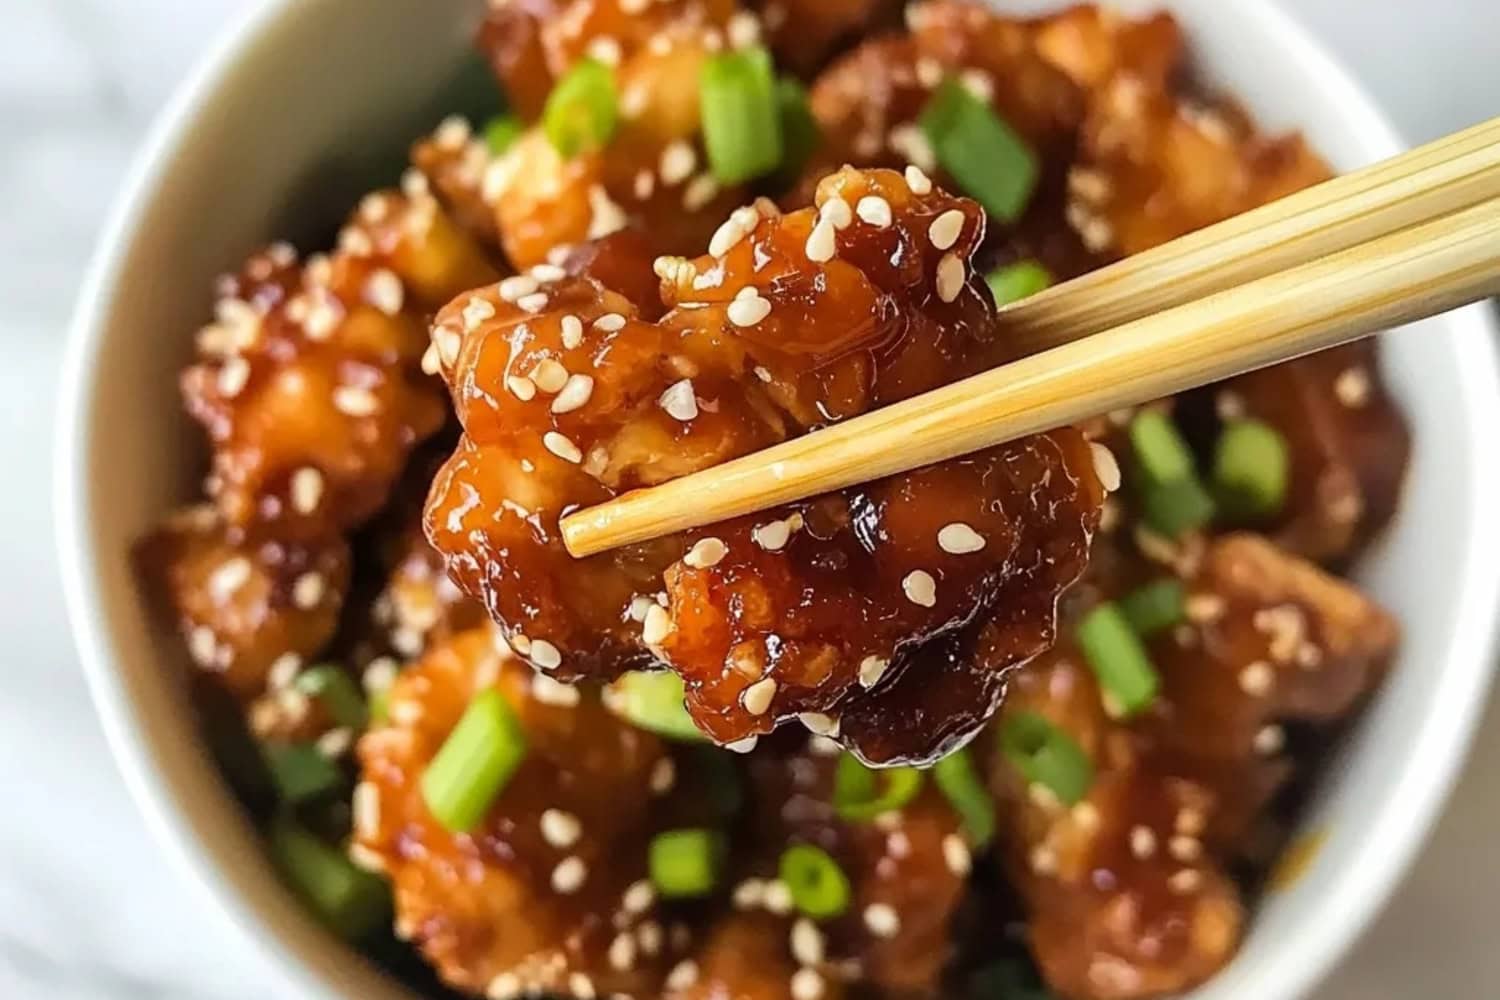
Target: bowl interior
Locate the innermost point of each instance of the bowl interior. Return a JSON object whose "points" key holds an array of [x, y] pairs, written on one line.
{"points": [[311, 104]]}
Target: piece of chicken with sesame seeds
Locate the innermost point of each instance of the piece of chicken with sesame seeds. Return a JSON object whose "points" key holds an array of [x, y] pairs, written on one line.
{"points": [[746, 957], [245, 602], [803, 34], [1179, 792], [537, 898], [315, 397], [568, 397]]}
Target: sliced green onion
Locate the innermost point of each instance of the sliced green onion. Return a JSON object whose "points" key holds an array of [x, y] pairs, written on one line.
{"points": [[1047, 756], [1155, 607], [653, 700], [1161, 454], [380, 704], [741, 115], [800, 134], [301, 772], [1118, 658], [502, 132], [819, 886], [1018, 281], [1173, 509], [582, 110], [858, 794], [476, 761], [990, 162], [338, 693], [350, 901], [959, 781], [685, 863], [1251, 468]]}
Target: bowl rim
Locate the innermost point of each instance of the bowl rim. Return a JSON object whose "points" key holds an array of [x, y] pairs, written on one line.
{"points": [[1364, 881]]}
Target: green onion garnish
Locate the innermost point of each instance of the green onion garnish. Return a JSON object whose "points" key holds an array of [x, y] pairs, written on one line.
{"points": [[300, 771], [338, 693], [1018, 281], [990, 162], [741, 115], [1047, 756], [350, 901], [800, 134], [1155, 607], [1118, 658], [1251, 468], [1173, 498], [582, 110], [475, 762], [1176, 508], [819, 886], [685, 863], [653, 700], [958, 780], [502, 132], [858, 794]]}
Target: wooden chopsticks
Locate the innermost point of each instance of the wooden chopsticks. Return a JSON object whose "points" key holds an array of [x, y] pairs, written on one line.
{"points": [[1408, 238]]}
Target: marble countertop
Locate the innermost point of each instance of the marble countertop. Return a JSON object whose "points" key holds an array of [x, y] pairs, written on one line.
{"points": [[89, 906]]}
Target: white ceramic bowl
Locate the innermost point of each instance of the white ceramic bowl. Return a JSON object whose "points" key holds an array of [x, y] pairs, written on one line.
{"points": [[266, 132]]}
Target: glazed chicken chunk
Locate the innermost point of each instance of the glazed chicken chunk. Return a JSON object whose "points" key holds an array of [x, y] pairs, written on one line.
{"points": [[567, 397]]}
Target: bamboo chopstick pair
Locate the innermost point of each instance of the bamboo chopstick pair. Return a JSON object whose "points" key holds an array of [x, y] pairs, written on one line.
{"points": [[1407, 238]]}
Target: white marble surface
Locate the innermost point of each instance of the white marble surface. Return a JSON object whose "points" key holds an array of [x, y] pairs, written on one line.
{"points": [[89, 907]]}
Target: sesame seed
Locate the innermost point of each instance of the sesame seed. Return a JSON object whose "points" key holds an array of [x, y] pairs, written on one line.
{"points": [[957, 856], [1142, 842], [743, 746], [920, 588], [610, 323], [545, 655], [1269, 740], [663, 776], [379, 675], [821, 245], [572, 332], [1043, 860], [1257, 679], [882, 920], [606, 50], [705, 553], [233, 375], [354, 401], [683, 975], [1185, 848], [385, 292], [453, 133], [871, 669], [1105, 467], [874, 210], [476, 311], [978, 83], [366, 807], [778, 897], [911, 142], [1189, 821], [306, 489], [819, 723], [607, 217], [951, 274], [548, 273], [763, 373], [322, 318], [1185, 881], [929, 72], [533, 303], [1352, 387], [757, 697], [639, 897], [574, 394], [1086, 816], [678, 161], [749, 894], [569, 875], [645, 182], [581, 986], [562, 446], [807, 942], [622, 952], [1043, 797], [560, 829], [774, 535], [946, 229], [308, 590], [505, 986], [837, 211], [231, 575], [648, 935], [679, 401], [748, 310], [726, 237], [366, 859], [807, 984], [657, 626], [283, 671], [919, 182], [517, 287], [743, 30], [554, 692], [959, 539], [521, 387], [700, 191]]}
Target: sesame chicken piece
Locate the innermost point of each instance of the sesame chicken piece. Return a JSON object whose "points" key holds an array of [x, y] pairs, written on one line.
{"points": [[802, 34], [244, 603], [746, 957], [1348, 445], [568, 396], [533, 899]]}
